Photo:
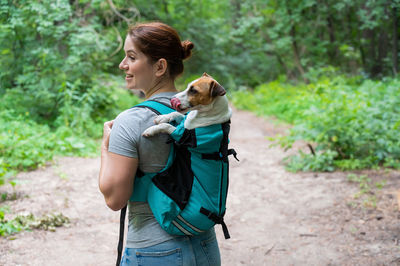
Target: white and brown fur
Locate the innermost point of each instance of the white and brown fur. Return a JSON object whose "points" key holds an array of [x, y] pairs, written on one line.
{"points": [[205, 99]]}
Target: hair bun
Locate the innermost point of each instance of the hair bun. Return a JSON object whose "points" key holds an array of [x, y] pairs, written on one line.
{"points": [[187, 47]]}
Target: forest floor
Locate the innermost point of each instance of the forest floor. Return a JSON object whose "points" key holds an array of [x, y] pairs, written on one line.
{"points": [[274, 217]]}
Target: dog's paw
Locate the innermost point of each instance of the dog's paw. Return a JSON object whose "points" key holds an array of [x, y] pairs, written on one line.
{"points": [[150, 132], [161, 119]]}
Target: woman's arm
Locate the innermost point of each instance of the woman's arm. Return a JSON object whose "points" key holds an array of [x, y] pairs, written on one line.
{"points": [[117, 174]]}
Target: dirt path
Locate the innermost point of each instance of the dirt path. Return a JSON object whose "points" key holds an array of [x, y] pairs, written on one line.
{"points": [[274, 217]]}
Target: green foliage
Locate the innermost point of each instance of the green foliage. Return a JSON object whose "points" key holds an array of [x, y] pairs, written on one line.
{"points": [[321, 161], [352, 123], [367, 189], [59, 60], [48, 222], [26, 144], [9, 227], [47, 52], [242, 43], [55, 93]]}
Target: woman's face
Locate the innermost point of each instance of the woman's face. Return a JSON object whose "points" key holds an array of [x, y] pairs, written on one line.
{"points": [[137, 66]]}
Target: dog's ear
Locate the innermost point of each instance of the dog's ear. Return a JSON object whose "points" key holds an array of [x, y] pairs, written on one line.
{"points": [[216, 89], [206, 75]]}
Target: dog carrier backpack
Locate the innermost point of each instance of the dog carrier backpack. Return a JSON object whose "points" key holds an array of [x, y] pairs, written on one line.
{"points": [[188, 196]]}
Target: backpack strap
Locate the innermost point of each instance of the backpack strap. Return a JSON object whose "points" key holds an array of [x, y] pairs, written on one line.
{"points": [[143, 180], [218, 219], [160, 109], [121, 234], [221, 155], [223, 152], [157, 107], [218, 156]]}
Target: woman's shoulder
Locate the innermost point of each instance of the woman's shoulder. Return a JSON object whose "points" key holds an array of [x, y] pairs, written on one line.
{"points": [[130, 124], [135, 114], [139, 113]]}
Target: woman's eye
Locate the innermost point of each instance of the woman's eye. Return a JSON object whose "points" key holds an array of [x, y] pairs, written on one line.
{"points": [[131, 57]]}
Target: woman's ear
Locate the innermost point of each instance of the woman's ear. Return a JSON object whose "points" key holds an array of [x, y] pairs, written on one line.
{"points": [[160, 67]]}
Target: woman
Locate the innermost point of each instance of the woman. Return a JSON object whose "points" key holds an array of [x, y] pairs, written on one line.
{"points": [[153, 60]]}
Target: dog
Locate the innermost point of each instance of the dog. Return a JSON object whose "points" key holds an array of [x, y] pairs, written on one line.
{"points": [[205, 102]]}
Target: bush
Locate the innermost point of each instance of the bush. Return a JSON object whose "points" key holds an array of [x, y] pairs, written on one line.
{"points": [[354, 123], [26, 144], [49, 53], [54, 93]]}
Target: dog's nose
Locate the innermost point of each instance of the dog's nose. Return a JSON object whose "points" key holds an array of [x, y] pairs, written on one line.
{"points": [[175, 103]]}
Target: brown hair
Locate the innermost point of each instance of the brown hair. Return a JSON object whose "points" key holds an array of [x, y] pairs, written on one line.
{"points": [[158, 40]]}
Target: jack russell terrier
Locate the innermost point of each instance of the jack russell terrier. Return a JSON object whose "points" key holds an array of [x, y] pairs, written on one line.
{"points": [[204, 98]]}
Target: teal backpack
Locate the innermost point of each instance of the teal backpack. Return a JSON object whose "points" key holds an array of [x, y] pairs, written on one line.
{"points": [[188, 196]]}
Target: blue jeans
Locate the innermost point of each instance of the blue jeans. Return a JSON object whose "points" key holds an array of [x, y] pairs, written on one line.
{"points": [[181, 251]]}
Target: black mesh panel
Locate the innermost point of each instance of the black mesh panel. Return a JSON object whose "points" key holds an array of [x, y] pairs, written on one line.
{"points": [[176, 182]]}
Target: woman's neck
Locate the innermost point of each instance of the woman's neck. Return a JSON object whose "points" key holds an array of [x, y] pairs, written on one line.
{"points": [[166, 85]]}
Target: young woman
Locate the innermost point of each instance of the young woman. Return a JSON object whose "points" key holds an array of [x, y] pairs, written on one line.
{"points": [[153, 60]]}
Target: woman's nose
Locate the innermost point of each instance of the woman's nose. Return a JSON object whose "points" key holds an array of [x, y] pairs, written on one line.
{"points": [[123, 65]]}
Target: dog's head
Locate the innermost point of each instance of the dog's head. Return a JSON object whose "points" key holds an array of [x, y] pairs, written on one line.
{"points": [[198, 94]]}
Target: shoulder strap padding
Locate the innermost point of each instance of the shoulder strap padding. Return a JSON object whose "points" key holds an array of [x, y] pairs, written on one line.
{"points": [[157, 107]]}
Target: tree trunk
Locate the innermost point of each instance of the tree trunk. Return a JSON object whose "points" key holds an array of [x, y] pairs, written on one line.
{"points": [[295, 47], [333, 48], [165, 6], [236, 12], [287, 70], [370, 51], [296, 54], [357, 39], [382, 50], [395, 41], [276, 54]]}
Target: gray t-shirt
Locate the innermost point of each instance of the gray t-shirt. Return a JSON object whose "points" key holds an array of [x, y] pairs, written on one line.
{"points": [[126, 139]]}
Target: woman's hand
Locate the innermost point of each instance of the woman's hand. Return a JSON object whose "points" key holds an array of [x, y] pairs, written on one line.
{"points": [[106, 134]]}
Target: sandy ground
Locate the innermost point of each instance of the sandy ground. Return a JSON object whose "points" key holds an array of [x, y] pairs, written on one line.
{"points": [[274, 217]]}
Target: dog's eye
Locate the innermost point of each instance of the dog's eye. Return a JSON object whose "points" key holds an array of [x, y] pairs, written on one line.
{"points": [[192, 90]]}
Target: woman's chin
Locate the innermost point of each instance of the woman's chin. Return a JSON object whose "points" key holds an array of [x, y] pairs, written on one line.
{"points": [[131, 86]]}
